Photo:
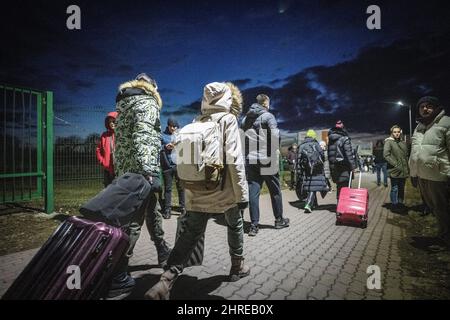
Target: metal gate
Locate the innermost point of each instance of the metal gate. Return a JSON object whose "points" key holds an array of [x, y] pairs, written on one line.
{"points": [[26, 139]]}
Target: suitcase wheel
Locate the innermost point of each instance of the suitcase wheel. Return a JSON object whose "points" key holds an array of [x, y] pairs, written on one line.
{"points": [[364, 224], [338, 223]]}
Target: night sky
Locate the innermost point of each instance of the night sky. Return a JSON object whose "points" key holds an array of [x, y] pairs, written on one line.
{"points": [[316, 59]]}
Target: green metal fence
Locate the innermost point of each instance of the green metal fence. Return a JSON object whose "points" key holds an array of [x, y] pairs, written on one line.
{"points": [[26, 145]]}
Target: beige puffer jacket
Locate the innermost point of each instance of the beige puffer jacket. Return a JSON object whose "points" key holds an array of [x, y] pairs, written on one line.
{"points": [[223, 100], [430, 152]]}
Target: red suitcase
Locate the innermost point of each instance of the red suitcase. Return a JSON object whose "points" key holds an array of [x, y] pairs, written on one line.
{"points": [[352, 208], [95, 247]]}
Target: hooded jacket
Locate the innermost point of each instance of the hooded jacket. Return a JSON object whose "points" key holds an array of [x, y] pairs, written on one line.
{"points": [[396, 154], [105, 147], [260, 128], [138, 129], [223, 100], [340, 171], [430, 152]]}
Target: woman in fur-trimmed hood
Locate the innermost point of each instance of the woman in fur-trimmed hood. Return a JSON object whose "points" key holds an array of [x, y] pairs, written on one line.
{"points": [[138, 142], [222, 103], [138, 128]]}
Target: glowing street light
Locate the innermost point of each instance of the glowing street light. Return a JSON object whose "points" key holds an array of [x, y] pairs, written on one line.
{"points": [[400, 103]]}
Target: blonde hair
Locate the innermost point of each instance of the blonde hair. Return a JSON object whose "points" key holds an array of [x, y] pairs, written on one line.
{"points": [[263, 100], [144, 85], [395, 127]]}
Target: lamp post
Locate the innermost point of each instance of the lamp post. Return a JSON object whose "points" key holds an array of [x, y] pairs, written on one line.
{"points": [[410, 126]]}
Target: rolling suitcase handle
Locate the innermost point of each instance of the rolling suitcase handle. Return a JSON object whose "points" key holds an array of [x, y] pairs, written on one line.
{"points": [[350, 181]]}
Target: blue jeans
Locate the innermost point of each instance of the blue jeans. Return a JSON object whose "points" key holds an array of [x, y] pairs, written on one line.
{"points": [[168, 176], [381, 167], [397, 190], [255, 182]]}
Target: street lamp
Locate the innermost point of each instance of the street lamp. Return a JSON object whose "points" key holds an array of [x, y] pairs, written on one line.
{"points": [[409, 106]]}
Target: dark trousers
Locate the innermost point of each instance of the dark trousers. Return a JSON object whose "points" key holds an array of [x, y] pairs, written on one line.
{"points": [[436, 194], [107, 178], [339, 186], [381, 168], [255, 182], [311, 200], [292, 179], [168, 176], [397, 190], [149, 211], [195, 227]]}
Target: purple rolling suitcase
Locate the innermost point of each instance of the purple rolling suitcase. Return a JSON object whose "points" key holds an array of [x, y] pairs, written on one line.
{"points": [[78, 250]]}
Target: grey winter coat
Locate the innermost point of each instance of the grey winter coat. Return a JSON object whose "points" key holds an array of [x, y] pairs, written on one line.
{"points": [[261, 130], [430, 153]]}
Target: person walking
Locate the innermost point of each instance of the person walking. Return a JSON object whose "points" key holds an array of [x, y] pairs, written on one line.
{"points": [[261, 133], [169, 169], [311, 161], [221, 103], [292, 161], [380, 163], [341, 156], [138, 142]]}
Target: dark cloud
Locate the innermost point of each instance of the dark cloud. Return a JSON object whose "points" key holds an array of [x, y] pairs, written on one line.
{"points": [[363, 91], [76, 85], [242, 82], [357, 90], [168, 91], [191, 109]]}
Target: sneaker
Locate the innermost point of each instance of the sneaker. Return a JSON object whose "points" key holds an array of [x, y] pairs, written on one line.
{"points": [[281, 223], [308, 209], [253, 231], [121, 287], [163, 253]]}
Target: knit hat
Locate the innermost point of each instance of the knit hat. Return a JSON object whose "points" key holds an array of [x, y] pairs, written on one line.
{"points": [[429, 101], [339, 124], [311, 134]]}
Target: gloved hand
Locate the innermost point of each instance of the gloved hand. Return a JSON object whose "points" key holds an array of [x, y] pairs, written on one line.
{"points": [[242, 205], [414, 181]]}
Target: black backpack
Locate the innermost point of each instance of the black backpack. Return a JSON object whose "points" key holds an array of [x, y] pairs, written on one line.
{"points": [[340, 153], [310, 160]]}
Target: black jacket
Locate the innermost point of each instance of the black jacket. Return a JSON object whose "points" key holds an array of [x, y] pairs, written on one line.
{"points": [[316, 181], [340, 171]]}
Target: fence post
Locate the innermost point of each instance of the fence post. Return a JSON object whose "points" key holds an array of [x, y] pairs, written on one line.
{"points": [[49, 195]]}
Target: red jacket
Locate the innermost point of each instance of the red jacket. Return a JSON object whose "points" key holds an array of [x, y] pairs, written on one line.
{"points": [[106, 145]]}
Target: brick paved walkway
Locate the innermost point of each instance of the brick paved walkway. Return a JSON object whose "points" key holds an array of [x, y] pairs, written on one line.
{"points": [[312, 259]]}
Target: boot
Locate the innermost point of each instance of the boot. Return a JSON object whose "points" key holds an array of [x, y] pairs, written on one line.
{"points": [[163, 251], [161, 290], [238, 269]]}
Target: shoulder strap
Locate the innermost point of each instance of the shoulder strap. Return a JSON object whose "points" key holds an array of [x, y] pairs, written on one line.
{"points": [[224, 146]]}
